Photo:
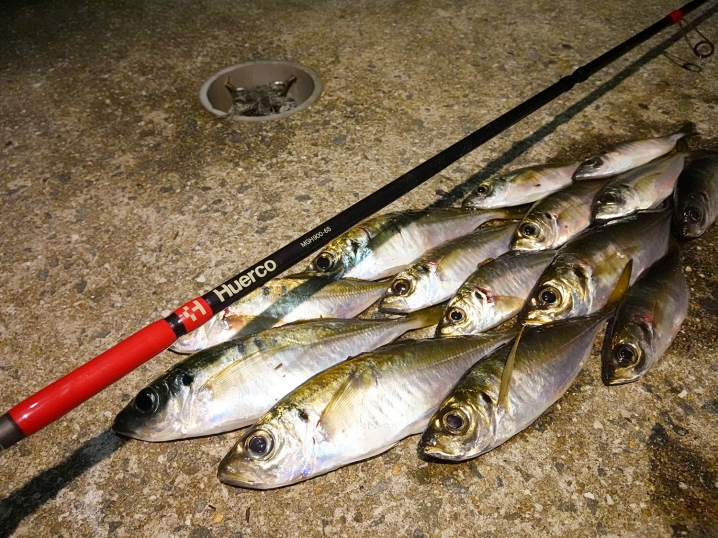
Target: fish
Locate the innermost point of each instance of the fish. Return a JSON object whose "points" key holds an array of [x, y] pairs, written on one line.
{"points": [[580, 278], [352, 411], [696, 197], [300, 296], [521, 186], [504, 393], [230, 385], [645, 187], [494, 293], [625, 156], [437, 274], [384, 245], [553, 220], [646, 322]]}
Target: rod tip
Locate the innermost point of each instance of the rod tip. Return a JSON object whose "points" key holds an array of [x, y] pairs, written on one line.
{"points": [[10, 432]]}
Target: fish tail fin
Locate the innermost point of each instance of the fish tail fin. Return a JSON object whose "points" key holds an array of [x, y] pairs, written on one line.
{"points": [[687, 130], [426, 317]]}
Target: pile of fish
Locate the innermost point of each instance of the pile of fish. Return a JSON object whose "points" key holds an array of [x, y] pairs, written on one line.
{"points": [[559, 249]]}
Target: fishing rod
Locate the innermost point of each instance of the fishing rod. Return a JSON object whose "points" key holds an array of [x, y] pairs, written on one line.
{"points": [[60, 397]]}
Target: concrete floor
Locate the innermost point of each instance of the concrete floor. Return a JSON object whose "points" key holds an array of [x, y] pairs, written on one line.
{"points": [[121, 198]]}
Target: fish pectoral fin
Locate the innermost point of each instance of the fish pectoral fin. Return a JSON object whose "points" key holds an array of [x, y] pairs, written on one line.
{"points": [[503, 399], [510, 302], [624, 281], [347, 401], [236, 374], [573, 213], [615, 259], [484, 262], [647, 182]]}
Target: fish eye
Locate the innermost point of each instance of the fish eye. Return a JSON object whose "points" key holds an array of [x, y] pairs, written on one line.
{"points": [[324, 261], [529, 230], [625, 355], [593, 162], [456, 315], [259, 444], [693, 213], [455, 421], [401, 286], [483, 190], [187, 379], [549, 296], [146, 401], [608, 198]]}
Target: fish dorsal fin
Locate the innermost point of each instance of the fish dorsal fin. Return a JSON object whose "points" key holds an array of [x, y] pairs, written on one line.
{"points": [[348, 400], [503, 399]]}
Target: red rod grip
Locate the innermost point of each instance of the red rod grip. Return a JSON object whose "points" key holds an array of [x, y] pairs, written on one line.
{"points": [[50, 403]]}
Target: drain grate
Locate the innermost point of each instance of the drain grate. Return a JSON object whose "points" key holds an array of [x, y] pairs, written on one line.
{"points": [[258, 91]]}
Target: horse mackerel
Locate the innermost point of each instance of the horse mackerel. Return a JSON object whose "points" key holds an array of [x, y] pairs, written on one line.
{"points": [[580, 278], [383, 245], [301, 296], [646, 322], [437, 274], [230, 385], [352, 411]]}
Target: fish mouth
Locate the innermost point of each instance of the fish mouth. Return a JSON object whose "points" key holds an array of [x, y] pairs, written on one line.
{"points": [[233, 471], [121, 427], [394, 304], [191, 343], [538, 317], [610, 381], [438, 453]]}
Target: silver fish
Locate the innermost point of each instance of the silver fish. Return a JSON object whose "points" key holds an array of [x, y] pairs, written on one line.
{"points": [[383, 245], [645, 187], [301, 296], [581, 276], [352, 411], [552, 221], [230, 385], [622, 157], [646, 322], [494, 293], [471, 421], [520, 186], [438, 273], [696, 197]]}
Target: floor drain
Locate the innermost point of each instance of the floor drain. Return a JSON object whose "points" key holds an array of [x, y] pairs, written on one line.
{"points": [[259, 77]]}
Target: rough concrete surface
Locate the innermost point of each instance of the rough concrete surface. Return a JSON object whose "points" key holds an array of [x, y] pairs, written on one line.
{"points": [[122, 198]]}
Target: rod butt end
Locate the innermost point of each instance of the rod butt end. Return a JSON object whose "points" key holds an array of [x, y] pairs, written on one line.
{"points": [[10, 432]]}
